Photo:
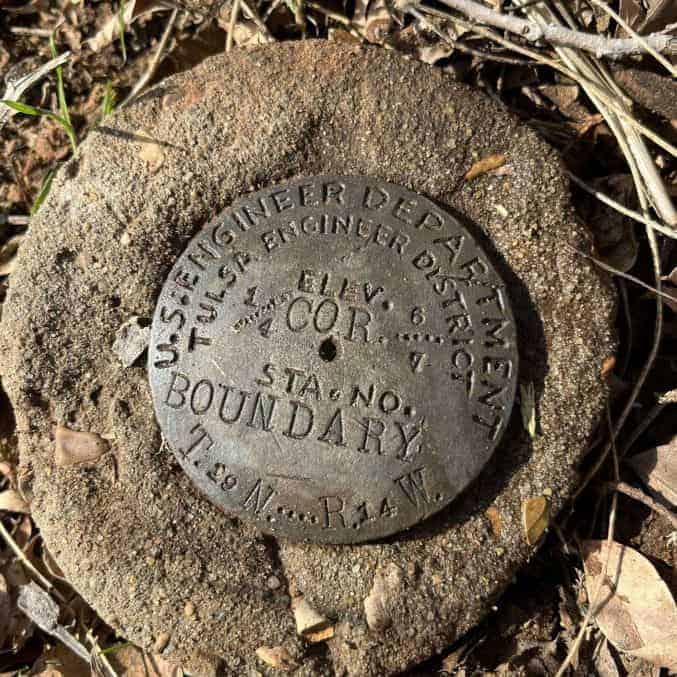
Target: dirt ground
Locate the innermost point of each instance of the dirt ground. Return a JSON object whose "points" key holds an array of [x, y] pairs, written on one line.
{"points": [[535, 625]]}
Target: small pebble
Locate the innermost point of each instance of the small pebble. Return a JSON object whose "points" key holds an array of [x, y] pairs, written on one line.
{"points": [[273, 583]]}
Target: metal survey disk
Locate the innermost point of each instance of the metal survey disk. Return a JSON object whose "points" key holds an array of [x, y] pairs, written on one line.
{"points": [[333, 359]]}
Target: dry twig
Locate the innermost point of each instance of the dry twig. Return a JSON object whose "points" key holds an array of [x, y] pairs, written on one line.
{"points": [[641, 497], [612, 48], [154, 62], [16, 88]]}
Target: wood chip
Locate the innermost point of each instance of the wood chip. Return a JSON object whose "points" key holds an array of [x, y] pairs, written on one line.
{"points": [[320, 635], [307, 619], [484, 166], [384, 592], [74, 447], [277, 657]]}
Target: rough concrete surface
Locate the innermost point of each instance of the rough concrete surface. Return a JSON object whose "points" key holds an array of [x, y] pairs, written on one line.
{"points": [[130, 532]]}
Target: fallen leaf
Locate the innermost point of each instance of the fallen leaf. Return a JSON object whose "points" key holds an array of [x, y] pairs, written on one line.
{"points": [[660, 14], [110, 30], [433, 53], [74, 447], [614, 233], [605, 663], [57, 660], [658, 469], [494, 517], [277, 657], [608, 366], [372, 19], [564, 96], [131, 661], [485, 165], [6, 609], [634, 608], [8, 254], [631, 11], [12, 501], [535, 518]]}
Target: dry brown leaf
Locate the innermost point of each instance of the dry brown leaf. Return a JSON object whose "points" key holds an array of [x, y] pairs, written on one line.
{"points": [[131, 661], [660, 14], [58, 661], [6, 609], [604, 661], [8, 254], [110, 31], [658, 468], [634, 608], [74, 447], [535, 518], [372, 19], [564, 96], [277, 657], [12, 501], [614, 234], [608, 366], [494, 517], [485, 165], [433, 53]]}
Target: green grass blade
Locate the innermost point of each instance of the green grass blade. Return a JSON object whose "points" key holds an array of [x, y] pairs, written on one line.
{"points": [[25, 108], [108, 103], [44, 191], [60, 91]]}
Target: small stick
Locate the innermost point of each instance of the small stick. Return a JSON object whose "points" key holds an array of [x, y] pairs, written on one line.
{"points": [[459, 45], [152, 66], [21, 556], [627, 276], [613, 48], [636, 36], [581, 79], [22, 30], [641, 497], [642, 426], [602, 197], [13, 220], [234, 14], [592, 609], [254, 16]]}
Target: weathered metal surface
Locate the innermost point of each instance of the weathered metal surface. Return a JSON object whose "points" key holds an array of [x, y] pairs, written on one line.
{"points": [[333, 359]]}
